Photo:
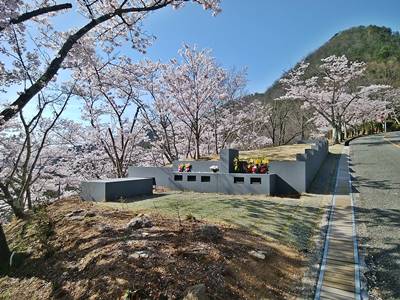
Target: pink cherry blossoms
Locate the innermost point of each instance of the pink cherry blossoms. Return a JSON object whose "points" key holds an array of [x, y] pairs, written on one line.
{"points": [[332, 96]]}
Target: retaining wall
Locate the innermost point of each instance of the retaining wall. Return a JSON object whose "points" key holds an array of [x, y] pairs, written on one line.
{"points": [[297, 176]]}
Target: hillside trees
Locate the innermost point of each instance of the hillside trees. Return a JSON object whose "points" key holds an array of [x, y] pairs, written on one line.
{"points": [[239, 124], [108, 24], [286, 121], [331, 95]]}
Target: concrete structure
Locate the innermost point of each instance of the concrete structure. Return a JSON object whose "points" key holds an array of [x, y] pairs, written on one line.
{"points": [[115, 189], [225, 183], [284, 178], [297, 175]]}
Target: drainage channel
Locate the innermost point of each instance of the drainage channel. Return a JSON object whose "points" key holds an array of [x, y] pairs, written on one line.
{"points": [[339, 275]]}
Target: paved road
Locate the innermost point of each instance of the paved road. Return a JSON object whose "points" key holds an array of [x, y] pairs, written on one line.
{"points": [[376, 168]]}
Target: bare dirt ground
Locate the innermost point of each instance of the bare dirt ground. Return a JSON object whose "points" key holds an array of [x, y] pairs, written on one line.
{"points": [[92, 255]]}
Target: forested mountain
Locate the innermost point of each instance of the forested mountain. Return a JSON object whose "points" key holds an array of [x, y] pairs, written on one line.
{"points": [[377, 46]]}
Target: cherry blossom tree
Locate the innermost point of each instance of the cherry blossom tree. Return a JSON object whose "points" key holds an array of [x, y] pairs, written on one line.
{"points": [[25, 153], [195, 85], [165, 126], [230, 109], [112, 95], [80, 156], [110, 23], [393, 98], [332, 94], [243, 124], [191, 93]]}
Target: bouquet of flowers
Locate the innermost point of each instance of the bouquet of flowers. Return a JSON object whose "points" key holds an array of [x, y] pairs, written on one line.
{"points": [[258, 166], [263, 168], [184, 168]]}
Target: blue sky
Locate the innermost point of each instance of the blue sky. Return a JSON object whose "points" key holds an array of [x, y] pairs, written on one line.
{"points": [[266, 36]]}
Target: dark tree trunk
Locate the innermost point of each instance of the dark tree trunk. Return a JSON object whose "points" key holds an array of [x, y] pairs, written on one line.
{"points": [[336, 134], [37, 12], [197, 154], [4, 250]]}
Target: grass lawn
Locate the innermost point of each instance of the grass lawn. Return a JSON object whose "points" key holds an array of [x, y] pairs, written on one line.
{"points": [[289, 221]]}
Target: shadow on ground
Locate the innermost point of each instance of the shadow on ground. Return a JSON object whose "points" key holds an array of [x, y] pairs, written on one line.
{"points": [[383, 251], [324, 181]]}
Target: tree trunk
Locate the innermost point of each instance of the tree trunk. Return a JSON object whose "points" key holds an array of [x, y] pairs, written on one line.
{"points": [[197, 155], [18, 211], [29, 198], [197, 133], [4, 250], [335, 135]]}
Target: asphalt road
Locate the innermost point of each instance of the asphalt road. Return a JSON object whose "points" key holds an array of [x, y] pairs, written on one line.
{"points": [[375, 164]]}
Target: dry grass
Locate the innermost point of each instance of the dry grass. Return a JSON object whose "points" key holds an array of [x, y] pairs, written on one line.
{"points": [[287, 152], [286, 220], [82, 260]]}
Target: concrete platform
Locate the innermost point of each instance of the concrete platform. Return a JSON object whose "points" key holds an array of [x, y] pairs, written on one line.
{"points": [[118, 189]]}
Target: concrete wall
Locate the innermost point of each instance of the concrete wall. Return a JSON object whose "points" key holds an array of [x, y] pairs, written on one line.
{"points": [[225, 183], [291, 176], [314, 159], [297, 176], [197, 165], [161, 175], [115, 189], [225, 163], [227, 156], [93, 191]]}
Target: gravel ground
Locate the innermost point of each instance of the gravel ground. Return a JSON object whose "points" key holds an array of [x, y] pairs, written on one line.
{"points": [[376, 168]]}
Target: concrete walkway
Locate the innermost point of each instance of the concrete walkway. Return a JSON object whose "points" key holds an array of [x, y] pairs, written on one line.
{"points": [[339, 273]]}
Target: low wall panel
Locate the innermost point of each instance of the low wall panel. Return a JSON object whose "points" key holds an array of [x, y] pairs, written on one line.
{"points": [[115, 189]]}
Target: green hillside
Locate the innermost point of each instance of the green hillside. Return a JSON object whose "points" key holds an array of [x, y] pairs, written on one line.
{"points": [[378, 46]]}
